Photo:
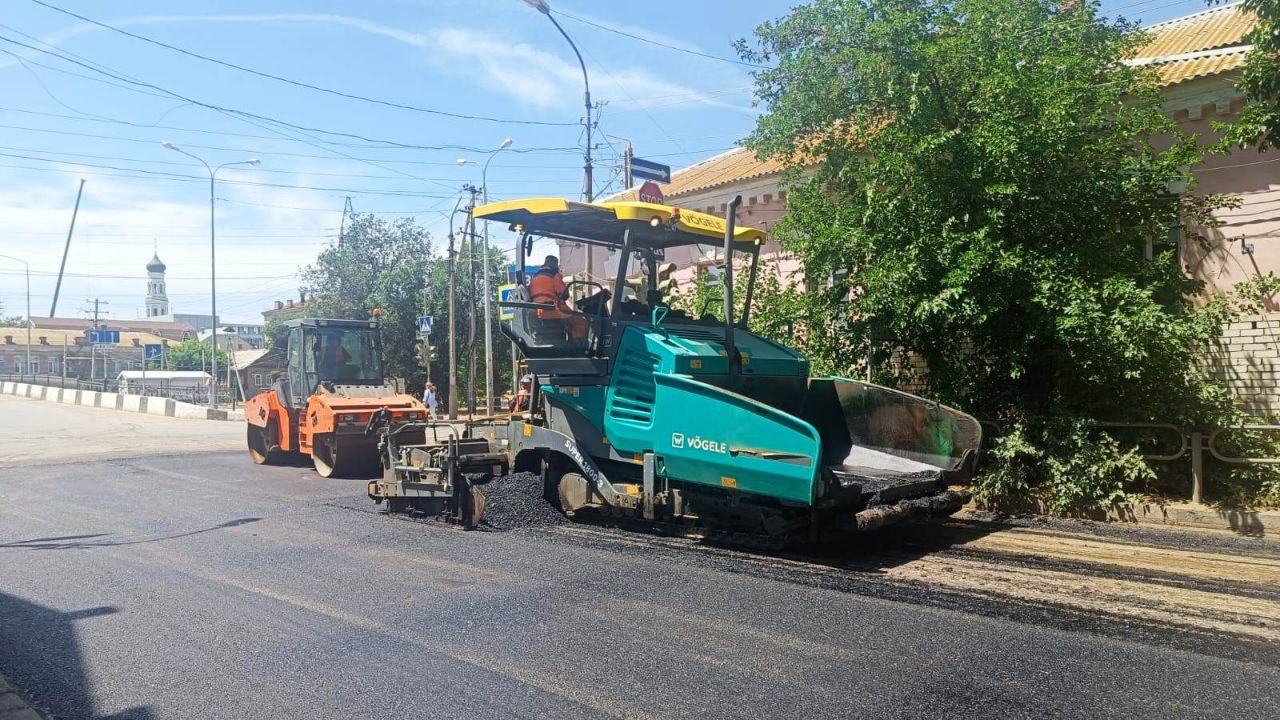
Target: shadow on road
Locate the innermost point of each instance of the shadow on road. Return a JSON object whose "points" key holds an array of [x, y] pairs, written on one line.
{"points": [[40, 651], [80, 542]]}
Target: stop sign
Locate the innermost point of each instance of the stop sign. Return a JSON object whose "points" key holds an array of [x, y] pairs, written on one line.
{"points": [[650, 192]]}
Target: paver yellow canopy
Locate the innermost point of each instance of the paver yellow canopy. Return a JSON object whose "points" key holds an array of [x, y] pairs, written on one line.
{"points": [[651, 225]]}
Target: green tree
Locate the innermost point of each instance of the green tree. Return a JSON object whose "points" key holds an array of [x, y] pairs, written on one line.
{"points": [[986, 179], [392, 266], [1259, 122], [193, 355]]}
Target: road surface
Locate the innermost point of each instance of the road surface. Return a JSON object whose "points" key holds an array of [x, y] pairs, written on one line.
{"points": [[198, 585], [40, 430]]}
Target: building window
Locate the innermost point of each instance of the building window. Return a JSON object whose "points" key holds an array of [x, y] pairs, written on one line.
{"points": [[257, 379]]}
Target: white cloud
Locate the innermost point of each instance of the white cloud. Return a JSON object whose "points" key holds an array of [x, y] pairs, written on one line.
{"points": [[532, 76]]}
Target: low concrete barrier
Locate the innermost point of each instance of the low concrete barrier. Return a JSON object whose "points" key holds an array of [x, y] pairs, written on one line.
{"points": [[161, 406]]}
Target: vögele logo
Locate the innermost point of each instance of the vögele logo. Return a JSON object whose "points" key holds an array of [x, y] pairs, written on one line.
{"points": [[678, 440]]}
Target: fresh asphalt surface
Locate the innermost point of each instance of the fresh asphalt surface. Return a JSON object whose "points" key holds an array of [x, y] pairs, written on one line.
{"points": [[200, 586]]}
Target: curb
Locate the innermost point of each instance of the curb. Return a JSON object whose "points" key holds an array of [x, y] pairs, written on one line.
{"points": [[164, 407], [1238, 520], [14, 705]]}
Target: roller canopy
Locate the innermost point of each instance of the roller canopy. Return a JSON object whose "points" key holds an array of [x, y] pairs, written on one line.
{"points": [[652, 226]]}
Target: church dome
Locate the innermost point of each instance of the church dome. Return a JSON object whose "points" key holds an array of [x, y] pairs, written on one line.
{"points": [[155, 265]]}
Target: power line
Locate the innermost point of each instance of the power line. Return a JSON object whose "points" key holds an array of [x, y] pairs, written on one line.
{"points": [[298, 83], [104, 276], [650, 41], [242, 114], [100, 136], [259, 170], [193, 178]]}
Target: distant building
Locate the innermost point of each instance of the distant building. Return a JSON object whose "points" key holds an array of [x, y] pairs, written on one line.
{"points": [[258, 369], [195, 320], [157, 300], [51, 349], [175, 332], [286, 309], [227, 342]]}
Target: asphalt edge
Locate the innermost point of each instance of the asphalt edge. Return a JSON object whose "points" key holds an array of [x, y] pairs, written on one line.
{"points": [[14, 705], [149, 405]]}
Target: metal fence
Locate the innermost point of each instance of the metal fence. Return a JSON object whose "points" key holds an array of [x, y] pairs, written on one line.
{"points": [[181, 393], [1181, 443]]}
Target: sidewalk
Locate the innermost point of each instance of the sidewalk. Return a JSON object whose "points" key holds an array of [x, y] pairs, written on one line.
{"points": [[13, 704], [1245, 522]]}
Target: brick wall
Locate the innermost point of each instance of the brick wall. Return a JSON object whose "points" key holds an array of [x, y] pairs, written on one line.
{"points": [[1247, 357]]}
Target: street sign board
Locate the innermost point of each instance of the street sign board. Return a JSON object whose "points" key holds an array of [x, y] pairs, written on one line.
{"points": [[504, 294], [528, 271], [152, 352], [650, 170], [424, 324], [104, 337], [650, 193]]}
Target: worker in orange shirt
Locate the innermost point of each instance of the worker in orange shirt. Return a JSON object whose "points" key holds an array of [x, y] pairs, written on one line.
{"points": [[547, 286]]}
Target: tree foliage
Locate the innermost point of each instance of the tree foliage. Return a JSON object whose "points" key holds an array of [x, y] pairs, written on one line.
{"points": [[393, 267], [982, 179], [193, 355], [1259, 123]]}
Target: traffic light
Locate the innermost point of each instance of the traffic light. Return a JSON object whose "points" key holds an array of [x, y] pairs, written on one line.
{"points": [[426, 352]]}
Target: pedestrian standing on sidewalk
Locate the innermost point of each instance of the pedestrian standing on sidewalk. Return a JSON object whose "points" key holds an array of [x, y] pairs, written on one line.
{"points": [[429, 399]]}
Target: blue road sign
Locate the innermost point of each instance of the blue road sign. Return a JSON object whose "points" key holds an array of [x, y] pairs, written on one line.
{"points": [[529, 270], [152, 352], [424, 324], [504, 295], [104, 337], [649, 170]]}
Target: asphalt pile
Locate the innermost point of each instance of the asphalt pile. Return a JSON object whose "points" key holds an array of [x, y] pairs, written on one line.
{"points": [[515, 501]]}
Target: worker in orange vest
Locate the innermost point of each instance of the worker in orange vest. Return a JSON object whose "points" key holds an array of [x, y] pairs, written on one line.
{"points": [[547, 286]]}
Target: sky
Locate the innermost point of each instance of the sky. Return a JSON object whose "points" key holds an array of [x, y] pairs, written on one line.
{"points": [[440, 81]]}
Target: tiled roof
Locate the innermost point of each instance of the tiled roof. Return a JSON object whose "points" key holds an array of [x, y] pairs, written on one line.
{"points": [[1172, 73], [1216, 28], [55, 337], [734, 166], [1205, 43]]}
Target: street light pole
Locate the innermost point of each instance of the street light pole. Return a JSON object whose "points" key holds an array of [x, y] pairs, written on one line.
{"points": [[588, 191], [26, 265], [213, 261], [488, 290]]}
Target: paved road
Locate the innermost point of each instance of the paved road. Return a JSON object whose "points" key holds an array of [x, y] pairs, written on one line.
{"points": [[198, 585], [40, 430]]}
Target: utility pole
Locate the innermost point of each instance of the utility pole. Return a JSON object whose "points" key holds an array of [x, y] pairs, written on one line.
{"points": [[27, 271], [489, 389], [453, 312], [342, 226], [213, 260], [588, 191], [93, 347], [626, 166], [469, 235], [66, 250]]}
